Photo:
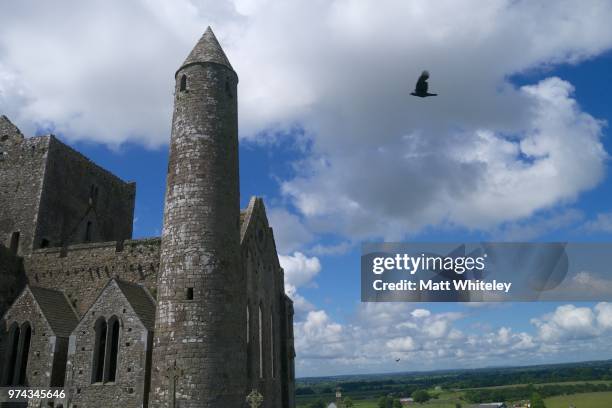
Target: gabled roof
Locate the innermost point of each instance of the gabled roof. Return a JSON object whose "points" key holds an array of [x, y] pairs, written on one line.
{"points": [[136, 296], [140, 300], [246, 215], [206, 50], [56, 309]]}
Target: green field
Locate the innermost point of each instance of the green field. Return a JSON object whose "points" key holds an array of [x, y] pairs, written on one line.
{"points": [[374, 404], [584, 384], [589, 400]]}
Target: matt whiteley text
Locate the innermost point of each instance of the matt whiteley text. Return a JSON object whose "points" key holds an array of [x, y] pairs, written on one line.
{"points": [[447, 285]]}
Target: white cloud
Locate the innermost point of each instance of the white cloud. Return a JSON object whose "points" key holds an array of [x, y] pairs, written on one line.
{"points": [[475, 178], [567, 322], [382, 334], [379, 334], [401, 344], [289, 232], [381, 162], [601, 223], [589, 285], [604, 315], [533, 227], [504, 335], [299, 269], [420, 313], [437, 329]]}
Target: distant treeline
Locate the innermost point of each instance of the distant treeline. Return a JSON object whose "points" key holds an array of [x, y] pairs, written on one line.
{"points": [[525, 392], [405, 384], [531, 376]]}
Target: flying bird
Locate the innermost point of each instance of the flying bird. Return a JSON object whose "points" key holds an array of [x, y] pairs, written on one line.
{"points": [[397, 360], [420, 89]]}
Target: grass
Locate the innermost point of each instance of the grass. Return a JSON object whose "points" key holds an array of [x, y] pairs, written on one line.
{"points": [[587, 400], [448, 398]]}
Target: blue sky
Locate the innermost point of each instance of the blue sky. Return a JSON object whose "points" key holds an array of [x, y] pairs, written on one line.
{"points": [[515, 148]]}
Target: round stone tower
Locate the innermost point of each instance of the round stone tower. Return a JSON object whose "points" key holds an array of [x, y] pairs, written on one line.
{"points": [[199, 347]]}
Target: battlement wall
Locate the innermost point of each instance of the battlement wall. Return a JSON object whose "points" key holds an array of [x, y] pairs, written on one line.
{"points": [[82, 270]]}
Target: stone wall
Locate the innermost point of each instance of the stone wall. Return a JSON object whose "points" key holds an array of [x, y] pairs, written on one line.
{"points": [[82, 202], [22, 167], [129, 389], [266, 368], [81, 271]]}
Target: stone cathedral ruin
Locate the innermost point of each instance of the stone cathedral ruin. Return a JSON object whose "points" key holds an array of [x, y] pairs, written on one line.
{"points": [[196, 318]]}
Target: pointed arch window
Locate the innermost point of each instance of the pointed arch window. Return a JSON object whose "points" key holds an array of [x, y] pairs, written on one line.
{"points": [[97, 369], [272, 345], [112, 351], [11, 360], [261, 361], [183, 84], [24, 351]]}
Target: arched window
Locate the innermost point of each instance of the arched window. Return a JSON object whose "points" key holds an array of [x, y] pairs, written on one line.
{"points": [[97, 369], [260, 326], [24, 351], [112, 345], [183, 86], [248, 341], [12, 347], [272, 345]]}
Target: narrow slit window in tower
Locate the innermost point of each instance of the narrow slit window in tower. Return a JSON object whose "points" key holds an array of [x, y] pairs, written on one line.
{"points": [[88, 229], [189, 294], [228, 89], [183, 86], [44, 243]]}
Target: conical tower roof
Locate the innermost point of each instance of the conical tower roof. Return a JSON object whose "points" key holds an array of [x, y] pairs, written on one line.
{"points": [[206, 50]]}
